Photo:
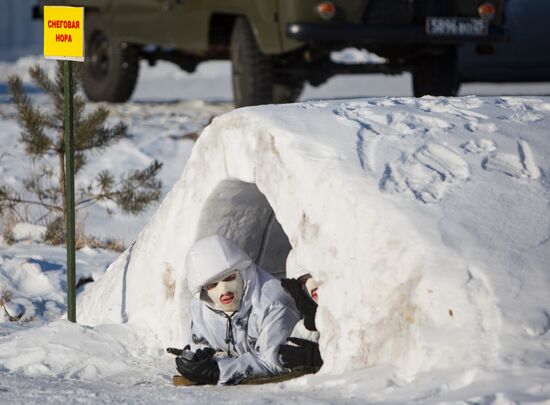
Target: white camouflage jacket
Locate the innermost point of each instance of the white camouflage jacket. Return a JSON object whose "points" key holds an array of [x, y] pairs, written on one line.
{"points": [[249, 338]]}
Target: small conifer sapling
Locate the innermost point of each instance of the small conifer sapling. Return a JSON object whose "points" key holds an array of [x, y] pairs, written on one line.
{"points": [[43, 191]]}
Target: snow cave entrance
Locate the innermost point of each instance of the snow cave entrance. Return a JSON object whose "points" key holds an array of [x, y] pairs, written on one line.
{"points": [[240, 212]]}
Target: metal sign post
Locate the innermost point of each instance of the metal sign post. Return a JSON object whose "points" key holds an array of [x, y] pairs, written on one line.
{"points": [[64, 39], [69, 192]]}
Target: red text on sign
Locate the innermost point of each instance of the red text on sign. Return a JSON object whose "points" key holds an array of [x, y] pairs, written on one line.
{"points": [[63, 38], [63, 24]]}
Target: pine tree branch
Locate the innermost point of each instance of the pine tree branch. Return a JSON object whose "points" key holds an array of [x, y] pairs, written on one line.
{"points": [[42, 80], [53, 91], [139, 189], [17, 200], [59, 96], [96, 197], [93, 134], [80, 161], [31, 118], [133, 193], [40, 184], [144, 178], [79, 107]]}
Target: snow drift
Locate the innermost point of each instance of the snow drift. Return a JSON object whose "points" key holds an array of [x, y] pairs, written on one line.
{"points": [[426, 221]]}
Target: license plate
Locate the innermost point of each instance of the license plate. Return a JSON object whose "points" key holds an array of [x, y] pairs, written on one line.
{"points": [[456, 26]]}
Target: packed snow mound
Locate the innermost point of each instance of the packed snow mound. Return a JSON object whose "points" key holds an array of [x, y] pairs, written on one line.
{"points": [[33, 287], [426, 221], [71, 351]]}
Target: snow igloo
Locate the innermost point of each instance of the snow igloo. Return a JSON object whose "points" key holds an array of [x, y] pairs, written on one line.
{"points": [[425, 220]]}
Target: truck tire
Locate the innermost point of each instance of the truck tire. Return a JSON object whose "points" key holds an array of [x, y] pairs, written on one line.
{"points": [[252, 71], [436, 76], [287, 92], [111, 69]]}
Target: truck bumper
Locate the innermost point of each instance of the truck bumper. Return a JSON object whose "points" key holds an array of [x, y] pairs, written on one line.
{"points": [[380, 34]]}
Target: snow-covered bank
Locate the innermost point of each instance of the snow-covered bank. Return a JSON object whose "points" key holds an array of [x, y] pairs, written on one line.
{"points": [[34, 276], [425, 219], [67, 350]]}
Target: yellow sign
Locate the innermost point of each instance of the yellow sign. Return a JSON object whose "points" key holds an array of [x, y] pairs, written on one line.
{"points": [[64, 33]]}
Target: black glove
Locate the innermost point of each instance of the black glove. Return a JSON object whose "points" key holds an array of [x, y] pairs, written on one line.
{"points": [[205, 353], [204, 371], [305, 354], [304, 302]]}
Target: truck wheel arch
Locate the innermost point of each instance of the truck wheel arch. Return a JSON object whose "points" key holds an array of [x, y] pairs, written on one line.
{"points": [[265, 32]]}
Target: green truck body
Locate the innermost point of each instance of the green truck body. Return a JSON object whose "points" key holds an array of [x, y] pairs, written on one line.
{"points": [[291, 38]]}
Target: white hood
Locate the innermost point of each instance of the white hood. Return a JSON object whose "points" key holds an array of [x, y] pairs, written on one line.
{"points": [[210, 259], [293, 269]]}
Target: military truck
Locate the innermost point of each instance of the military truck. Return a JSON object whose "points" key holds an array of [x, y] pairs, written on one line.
{"points": [[276, 46]]}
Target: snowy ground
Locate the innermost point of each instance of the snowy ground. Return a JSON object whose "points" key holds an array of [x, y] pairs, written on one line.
{"points": [[48, 360]]}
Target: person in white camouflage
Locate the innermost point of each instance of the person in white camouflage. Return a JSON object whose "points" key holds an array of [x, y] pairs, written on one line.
{"points": [[302, 348], [240, 316]]}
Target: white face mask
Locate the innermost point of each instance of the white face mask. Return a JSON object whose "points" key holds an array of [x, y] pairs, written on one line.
{"points": [[311, 287], [227, 293]]}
